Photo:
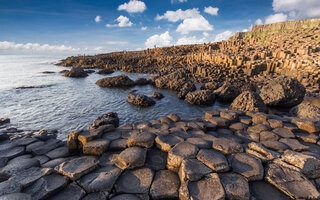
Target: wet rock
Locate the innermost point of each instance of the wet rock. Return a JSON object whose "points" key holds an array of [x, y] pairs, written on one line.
{"points": [[16, 196], [136, 181], [140, 100], [60, 152], [71, 192], [46, 135], [306, 110], [4, 121], [248, 101], [76, 72], [11, 153], [77, 167], [105, 119], [283, 91], [125, 197], [174, 117], [29, 176], [246, 165], [202, 97], [165, 185], [156, 159], [180, 152], [192, 170], [157, 95], [142, 139], [46, 186], [188, 87], [131, 157], [208, 188], [9, 187], [96, 147], [226, 146], [294, 144], [101, 179], [19, 165], [291, 182], [166, 142], [235, 186], [116, 81], [142, 81], [105, 71], [213, 159]]}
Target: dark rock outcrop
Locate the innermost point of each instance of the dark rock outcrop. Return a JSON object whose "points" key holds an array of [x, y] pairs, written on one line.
{"points": [[306, 110], [203, 97], [76, 72], [142, 81], [157, 95], [116, 81], [140, 100], [188, 87], [249, 101], [227, 92], [105, 71], [105, 119]]}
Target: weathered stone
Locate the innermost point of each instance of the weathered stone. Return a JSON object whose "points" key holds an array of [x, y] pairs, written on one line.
{"points": [[140, 100], [117, 145], [101, 179], [9, 187], [213, 159], [238, 126], [200, 143], [192, 170], [19, 165], [87, 136], [46, 186], [291, 182], [227, 146], [113, 135], [165, 185], [110, 118], [265, 191], [136, 181], [235, 186], [96, 196], [246, 165], [294, 144], [306, 110], [307, 137], [77, 167], [307, 125], [72, 142], [16, 196], [96, 147], [3, 162], [156, 159], [208, 188], [274, 123], [71, 192], [166, 142], [203, 97], [125, 197], [142, 139], [267, 135], [29, 176], [248, 101], [283, 132], [105, 71], [262, 152], [157, 95], [60, 152], [227, 92], [11, 153], [230, 115], [54, 163], [25, 141], [108, 158], [259, 118], [131, 157], [76, 72], [116, 81], [275, 145], [219, 122], [258, 128], [180, 152], [46, 147], [246, 120], [174, 117]]}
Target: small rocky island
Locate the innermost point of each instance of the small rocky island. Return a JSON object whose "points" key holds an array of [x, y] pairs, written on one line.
{"points": [[266, 145]]}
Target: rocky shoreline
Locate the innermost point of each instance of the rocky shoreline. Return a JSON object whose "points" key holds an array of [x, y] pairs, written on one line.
{"points": [[228, 154]]}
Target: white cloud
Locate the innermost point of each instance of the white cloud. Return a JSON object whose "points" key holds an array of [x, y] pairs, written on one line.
{"points": [[97, 19], [279, 17], [180, 1], [205, 34], [134, 6], [194, 24], [159, 40], [174, 16], [98, 49], [190, 40], [223, 36], [259, 22], [298, 9], [123, 22], [144, 28], [116, 42], [5, 45], [212, 11]]}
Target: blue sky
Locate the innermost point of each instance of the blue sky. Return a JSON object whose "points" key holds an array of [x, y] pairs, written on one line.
{"points": [[96, 26]]}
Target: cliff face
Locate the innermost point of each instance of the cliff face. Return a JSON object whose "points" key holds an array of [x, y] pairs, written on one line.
{"points": [[261, 31]]}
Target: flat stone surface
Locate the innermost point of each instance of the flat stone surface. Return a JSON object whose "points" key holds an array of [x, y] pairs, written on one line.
{"points": [[165, 185], [96, 147], [95, 196], [113, 135], [258, 150], [291, 182], [77, 167], [258, 128], [275, 145], [141, 139], [213, 159], [283, 132], [16, 196], [180, 152], [46, 147], [200, 143], [156, 159], [227, 146], [219, 122], [71, 192], [131, 157], [25, 141], [275, 123], [238, 126], [34, 145], [29, 176], [209, 187], [125, 197], [265, 191], [268, 135], [9, 187], [235, 186], [60, 152], [246, 165], [307, 137], [193, 170], [17, 159], [136, 181], [7, 145], [166, 142], [101, 179], [3, 162], [20, 165], [117, 145], [12, 153], [42, 159], [294, 144], [46, 186], [307, 125], [54, 163], [108, 158]]}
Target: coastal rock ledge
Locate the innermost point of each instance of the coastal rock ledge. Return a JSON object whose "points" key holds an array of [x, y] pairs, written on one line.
{"points": [[228, 154]]}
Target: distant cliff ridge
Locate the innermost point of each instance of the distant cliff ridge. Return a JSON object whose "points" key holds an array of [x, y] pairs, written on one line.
{"points": [[259, 31]]}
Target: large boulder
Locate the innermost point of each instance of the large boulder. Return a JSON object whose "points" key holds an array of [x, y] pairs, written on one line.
{"points": [[104, 119], [105, 71], [116, 81], [248, 101], [76, 72], [227, 92], [173, 81], [140, 100], [210, 86], [306, 110], [188, 87], [203, 97], [283, 91]]}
